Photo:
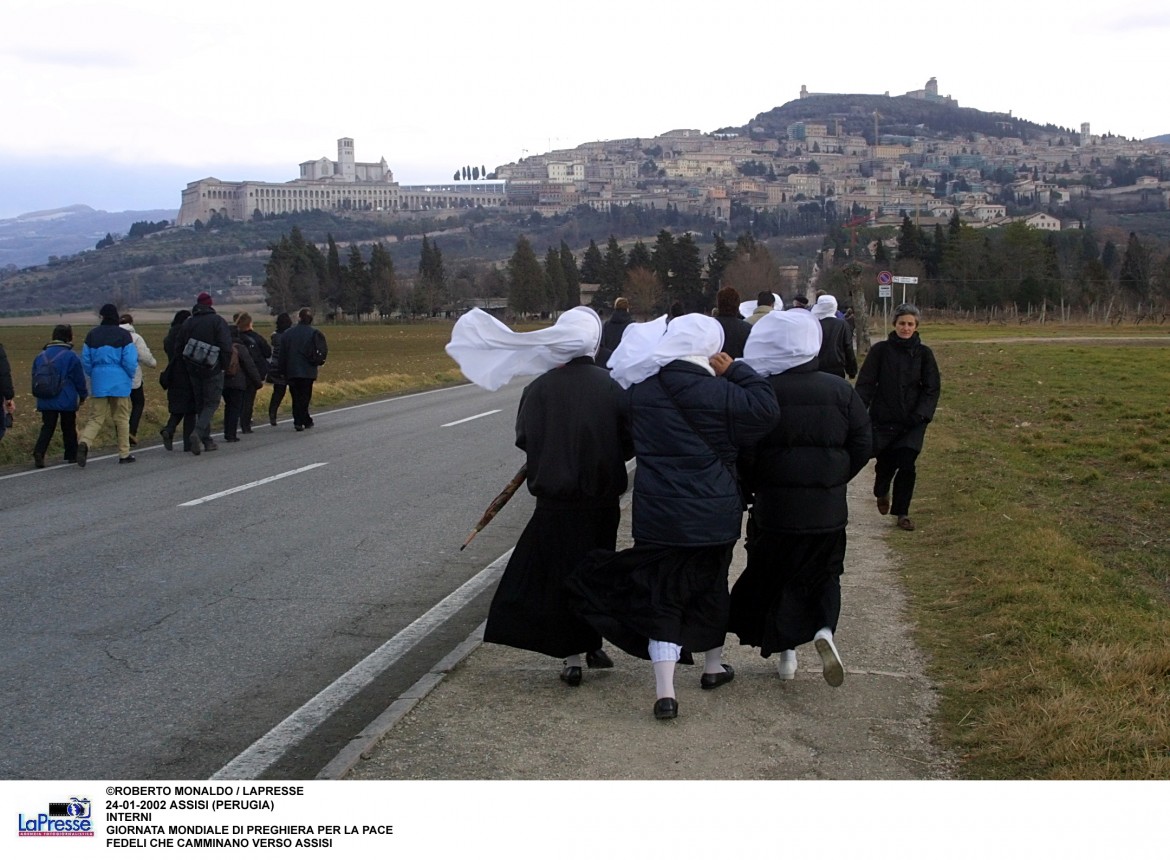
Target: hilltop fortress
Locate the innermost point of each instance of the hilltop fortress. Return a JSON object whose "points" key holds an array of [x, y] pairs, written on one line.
{"points": [[341, 185]]}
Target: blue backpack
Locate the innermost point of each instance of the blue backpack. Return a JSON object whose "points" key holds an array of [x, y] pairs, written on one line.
{"points": [[47, 380]]}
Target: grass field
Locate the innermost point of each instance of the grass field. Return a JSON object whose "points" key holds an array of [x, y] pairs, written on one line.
{"points": [[1039, 577]]}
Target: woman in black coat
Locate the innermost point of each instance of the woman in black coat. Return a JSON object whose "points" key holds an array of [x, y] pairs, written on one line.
{"points": [[279, 383], [180, 397], [900, 384], [790, 592]]}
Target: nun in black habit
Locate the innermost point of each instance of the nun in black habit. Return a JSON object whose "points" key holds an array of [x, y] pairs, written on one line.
{"points": [[573, 428]]}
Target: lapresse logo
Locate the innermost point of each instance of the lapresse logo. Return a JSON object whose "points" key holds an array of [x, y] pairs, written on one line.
{"points": [[71, 818]]}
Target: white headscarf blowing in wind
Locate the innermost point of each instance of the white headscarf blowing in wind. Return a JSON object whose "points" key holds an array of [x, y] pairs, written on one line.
{"points": [[781, 341], [490, 354], [647, 347]]}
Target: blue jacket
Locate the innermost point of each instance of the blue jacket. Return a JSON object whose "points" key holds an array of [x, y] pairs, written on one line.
{"points": [[73, 389], [109, 358], [685, 490]]}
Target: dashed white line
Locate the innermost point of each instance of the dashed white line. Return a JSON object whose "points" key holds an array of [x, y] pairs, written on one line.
{"points": [[472, 418], [249, 485]]}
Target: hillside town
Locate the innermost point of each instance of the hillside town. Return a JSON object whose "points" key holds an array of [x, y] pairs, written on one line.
{"points": [[879, 175]]}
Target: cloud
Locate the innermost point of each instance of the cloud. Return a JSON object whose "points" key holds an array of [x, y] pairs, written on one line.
{"points": [[77, 59]]}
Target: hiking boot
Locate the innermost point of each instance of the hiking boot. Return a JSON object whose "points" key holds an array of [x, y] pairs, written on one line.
{"points": [[883, 505], [209, 445], [168, 437], [906, 524], [82, 453]]}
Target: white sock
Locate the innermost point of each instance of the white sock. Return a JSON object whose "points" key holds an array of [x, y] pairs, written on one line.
{"points": [[823, 633], [664, 678], [660, 651], [573, 660], [713, 661]]}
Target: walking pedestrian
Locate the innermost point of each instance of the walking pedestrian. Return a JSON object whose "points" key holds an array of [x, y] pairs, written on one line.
{"points": [[735, 327], [900, 384], [798, 475], [63, 406], [611, 332], [137, 394], [275, 375], [692, 407], [298, 367], [260, 352], [7, 393], [109, 358], [206, 346], [572, 425], [240, 375], [174, 378], [836, 356]]}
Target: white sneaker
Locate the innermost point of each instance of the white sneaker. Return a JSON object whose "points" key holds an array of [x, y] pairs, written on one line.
{"points": [[831, 666], [787, 665]]}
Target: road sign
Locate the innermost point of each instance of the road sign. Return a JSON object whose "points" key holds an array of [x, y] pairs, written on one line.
{"points": [[885, 277], [885, 291], [905, 279]]}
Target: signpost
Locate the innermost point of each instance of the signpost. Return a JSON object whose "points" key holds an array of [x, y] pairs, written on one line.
{"points": [[884, 292], [904, 280]]}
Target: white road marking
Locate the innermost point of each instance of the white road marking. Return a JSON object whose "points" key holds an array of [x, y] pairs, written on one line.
{"points": [[472, 418], [249, 486], [297, 726]]}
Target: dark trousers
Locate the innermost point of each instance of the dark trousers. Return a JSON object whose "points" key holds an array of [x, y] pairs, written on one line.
{"points": [[206, 393], [49, 427], [247, 405], [278, 389], [137, 405], [896, 465], [302, 392], [233, 403], [188, 426]]}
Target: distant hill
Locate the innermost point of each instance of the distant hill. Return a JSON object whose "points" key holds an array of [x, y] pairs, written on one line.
{"points": [[32, 238], [1162, 138], [899, 115]]}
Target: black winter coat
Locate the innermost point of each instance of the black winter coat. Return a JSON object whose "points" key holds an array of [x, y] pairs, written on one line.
{"points": [[801, 470], [611, 334], [735, 334], [260, 351], [837, 356], [206, 325], [248, 375], [573, 424], [293, 364], [686, 493], [899, 382], [180, 398]]}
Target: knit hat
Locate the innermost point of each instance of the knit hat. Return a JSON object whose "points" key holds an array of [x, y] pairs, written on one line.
{"points": [[203, 299], [109, 313]]}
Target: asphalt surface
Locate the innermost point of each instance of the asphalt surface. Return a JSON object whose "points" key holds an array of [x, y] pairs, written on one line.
{"points": [[487, 712]]}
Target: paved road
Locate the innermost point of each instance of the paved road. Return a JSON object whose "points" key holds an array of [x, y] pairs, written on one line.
{"points": [[153, 630]]}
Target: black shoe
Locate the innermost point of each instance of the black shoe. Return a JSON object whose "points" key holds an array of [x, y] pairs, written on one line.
{"points": [[168, 437], [272, 420], [38, 460], [571, 675], [598, 660], [133, 439], [298, 427], [666, 709], [196, 445], [711, 680], [209, 445], [686, 658], [231, 438], [82, 454], [127, 459], [70, 460], [245, 429]]}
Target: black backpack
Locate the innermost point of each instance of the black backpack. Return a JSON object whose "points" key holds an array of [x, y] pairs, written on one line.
{"points": [[316, 349], [47, 380]]}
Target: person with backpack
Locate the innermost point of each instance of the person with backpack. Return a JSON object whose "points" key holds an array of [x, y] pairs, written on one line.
{"points": [[58, 383], [109, 359], [260, 351], [241, 374], [205, 343], [302, 351], [180, 396]]}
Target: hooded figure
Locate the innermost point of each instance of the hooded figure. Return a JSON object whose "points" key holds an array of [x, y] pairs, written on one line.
{"points": [[571, 424], [836, 356], [790, 592], [691, 409]]}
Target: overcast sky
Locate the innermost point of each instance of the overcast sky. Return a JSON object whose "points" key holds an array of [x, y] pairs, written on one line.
{"points": [[118, 104]]}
